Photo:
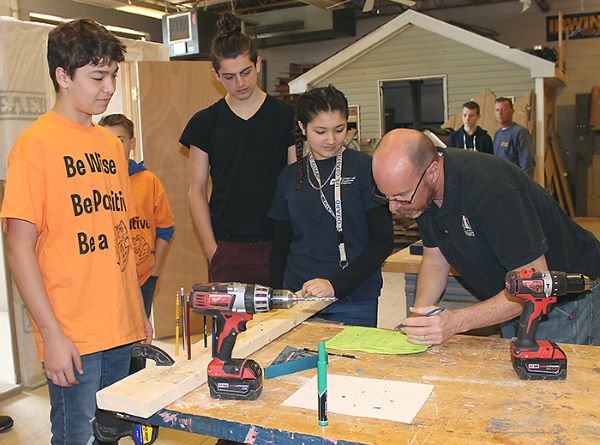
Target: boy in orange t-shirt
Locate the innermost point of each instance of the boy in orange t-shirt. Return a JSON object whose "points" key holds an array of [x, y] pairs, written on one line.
{"points": [[66, 213], [153, 226]]}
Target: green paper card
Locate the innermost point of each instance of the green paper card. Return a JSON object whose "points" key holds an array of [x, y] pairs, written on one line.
{"points": [[377, 341]]}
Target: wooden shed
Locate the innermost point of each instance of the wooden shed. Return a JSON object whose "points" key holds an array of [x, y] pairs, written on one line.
{"points": [[416, 47]]}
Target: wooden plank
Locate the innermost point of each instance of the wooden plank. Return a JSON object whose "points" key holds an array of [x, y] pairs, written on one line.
{"points": [[403, 262], [144, 393], [562, 175], [556, 185], [549, 173]]}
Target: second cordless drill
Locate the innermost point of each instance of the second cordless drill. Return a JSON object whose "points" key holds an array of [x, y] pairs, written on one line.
{"points": [[542, 359]]}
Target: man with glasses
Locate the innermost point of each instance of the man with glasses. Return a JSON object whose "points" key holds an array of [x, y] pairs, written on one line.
{"points": [[484, 217]]}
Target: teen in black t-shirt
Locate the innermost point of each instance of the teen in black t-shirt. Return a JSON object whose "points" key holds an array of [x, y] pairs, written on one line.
{"points": [[242, 141]]}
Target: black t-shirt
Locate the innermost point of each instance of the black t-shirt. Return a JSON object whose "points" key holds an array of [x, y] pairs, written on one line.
{"points": [[245, 158], [495, 218], [314, 250]]}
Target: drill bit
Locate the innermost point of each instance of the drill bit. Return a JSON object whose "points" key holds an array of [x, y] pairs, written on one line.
{"points": [[285, 299]]}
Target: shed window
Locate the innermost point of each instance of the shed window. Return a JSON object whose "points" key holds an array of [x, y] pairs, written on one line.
{"points": [[413, 103]]}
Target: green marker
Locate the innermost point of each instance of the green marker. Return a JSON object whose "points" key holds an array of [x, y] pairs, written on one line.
{"points": [[322, 384]]}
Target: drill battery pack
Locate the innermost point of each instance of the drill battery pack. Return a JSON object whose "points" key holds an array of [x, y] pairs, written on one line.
{"points": [[549, 362], [239, 379]]}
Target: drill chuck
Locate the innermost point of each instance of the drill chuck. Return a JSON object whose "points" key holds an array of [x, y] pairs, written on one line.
{"points": [[569, 283], [282, 299]]}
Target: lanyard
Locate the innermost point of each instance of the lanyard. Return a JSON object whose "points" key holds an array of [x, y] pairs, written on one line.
{"points": [[465, 142], [337, 181]]}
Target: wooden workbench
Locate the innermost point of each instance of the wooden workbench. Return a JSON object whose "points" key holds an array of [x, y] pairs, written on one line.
{"points": [[403, 262], [477, 399]]}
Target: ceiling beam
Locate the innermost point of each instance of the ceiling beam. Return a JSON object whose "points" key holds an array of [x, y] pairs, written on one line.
{"points": [[543, 5]]}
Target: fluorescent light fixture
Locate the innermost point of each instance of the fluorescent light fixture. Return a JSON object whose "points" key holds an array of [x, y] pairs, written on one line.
{"points": [[47, 17], [129, 31], [141, 10], [57, 19]]}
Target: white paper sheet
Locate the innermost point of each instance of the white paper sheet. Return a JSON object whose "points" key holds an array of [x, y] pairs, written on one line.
{"points": [[362, 397]]}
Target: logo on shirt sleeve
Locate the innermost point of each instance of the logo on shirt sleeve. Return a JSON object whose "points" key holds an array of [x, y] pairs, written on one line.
{"points": [[466, 225], [123, 244], [141, 249]]}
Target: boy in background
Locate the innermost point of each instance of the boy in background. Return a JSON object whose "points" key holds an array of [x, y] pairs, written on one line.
{"points": [[153, 226], [471, 136], [66, 214]]}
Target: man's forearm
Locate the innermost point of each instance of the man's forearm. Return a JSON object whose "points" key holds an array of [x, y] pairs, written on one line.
{"points": [[431, 280], [501, 307]]}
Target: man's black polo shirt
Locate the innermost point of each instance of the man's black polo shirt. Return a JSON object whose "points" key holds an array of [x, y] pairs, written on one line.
{"points": [[495, 218]]}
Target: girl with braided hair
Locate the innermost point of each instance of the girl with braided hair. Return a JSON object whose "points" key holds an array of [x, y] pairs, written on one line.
{"points": [[330, 237], [242, 141]]}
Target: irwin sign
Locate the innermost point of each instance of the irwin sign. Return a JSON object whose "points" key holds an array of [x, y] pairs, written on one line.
{"points": [[577, 26]]}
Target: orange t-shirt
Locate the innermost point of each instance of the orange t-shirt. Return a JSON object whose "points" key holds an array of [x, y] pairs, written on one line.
{"points": [[71, 181], [152, 211]]}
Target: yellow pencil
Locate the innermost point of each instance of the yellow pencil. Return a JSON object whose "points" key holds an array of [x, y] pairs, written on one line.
{"points": [[177, 313]]}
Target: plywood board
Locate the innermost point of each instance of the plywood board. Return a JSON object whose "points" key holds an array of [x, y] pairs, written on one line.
{"points": [[361, 397], [170, 93], [144, 393]]}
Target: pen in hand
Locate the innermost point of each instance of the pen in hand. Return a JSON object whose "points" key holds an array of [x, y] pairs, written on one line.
{"points": [[431, 313]]}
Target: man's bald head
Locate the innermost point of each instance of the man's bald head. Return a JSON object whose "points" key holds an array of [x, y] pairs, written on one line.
{"points": [[401, 153]]}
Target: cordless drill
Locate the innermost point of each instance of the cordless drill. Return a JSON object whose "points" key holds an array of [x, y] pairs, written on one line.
{"points": [[543, 359], [232, 305]]}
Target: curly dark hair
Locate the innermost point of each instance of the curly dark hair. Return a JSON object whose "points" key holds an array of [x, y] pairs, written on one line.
{"points": [[310, 104], [77, 43], [230, 42]]}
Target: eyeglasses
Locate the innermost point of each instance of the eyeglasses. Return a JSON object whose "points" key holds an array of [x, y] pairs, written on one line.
{"points": [[380, 198]]}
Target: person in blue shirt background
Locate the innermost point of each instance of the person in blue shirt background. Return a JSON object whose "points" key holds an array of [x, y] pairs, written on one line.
{"points": [[512, 141]]}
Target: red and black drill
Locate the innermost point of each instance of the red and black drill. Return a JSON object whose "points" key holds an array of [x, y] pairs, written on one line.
{"points": [[232, 305], [543, 359]]}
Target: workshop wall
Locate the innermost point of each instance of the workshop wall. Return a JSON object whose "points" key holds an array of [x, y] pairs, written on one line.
{"points": [[467, 72], [5, 7]]}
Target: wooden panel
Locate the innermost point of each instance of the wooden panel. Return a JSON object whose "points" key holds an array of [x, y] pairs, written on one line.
{"points": [[403, 262], [593, 187], [170, 93], [147, 391]]}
